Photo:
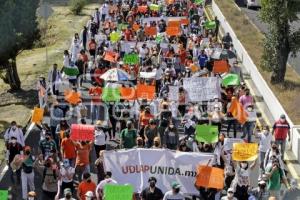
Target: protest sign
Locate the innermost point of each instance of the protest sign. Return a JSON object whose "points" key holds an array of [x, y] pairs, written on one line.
{"points": [[210, 25], [220, 66], [135, 27], [210, 177], [201, 88], [131, 59], [127, 93], [135, 166], [184, 21], [82, 132], [37, 115], [72, 97], [115, 36], [173, 94], [145, 92], [4, 194], [110, 56], [174, 23], [117, 192], [111, 94], [228, 143], [207, 133], [173, 31], [238, 111], [231, 80], [154, 7], [142, 9], [147, 74], [244, 151], [71, 71], [150, 31]]}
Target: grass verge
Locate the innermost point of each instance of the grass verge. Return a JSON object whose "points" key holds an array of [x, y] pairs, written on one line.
{"points": [[287, 93]]}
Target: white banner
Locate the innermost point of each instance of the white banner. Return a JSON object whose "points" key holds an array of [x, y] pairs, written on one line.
{"points": [[135, 166], [201, 88]]}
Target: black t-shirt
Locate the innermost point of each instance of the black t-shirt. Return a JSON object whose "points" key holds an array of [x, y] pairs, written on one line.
{"points": [[148, 195]]}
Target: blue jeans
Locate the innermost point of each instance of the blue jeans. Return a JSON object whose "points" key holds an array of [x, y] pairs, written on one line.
{"points": [[95, 109], [281, 143], [248, 130]]}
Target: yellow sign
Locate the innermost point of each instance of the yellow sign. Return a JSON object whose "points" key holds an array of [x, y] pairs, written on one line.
{"points": [[37, 115], [244, 151]]}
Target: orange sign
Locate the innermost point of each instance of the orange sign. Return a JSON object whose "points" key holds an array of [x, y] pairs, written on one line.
{"points": [[237, 111], [150, 31], [72, 97], [210, 177], [174, 23], [135, 27], [142, 9], [110, 56], [127, 93], [173, 31], [220, 66], [145, 92], [184, 21], [37, 115]]}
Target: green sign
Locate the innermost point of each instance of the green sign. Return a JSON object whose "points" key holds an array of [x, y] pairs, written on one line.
{"points": [[207, 133], [199, 2], [230, 80], [154, 7], [71, 71], [111, 94], [122, 26], [115, 36], [118, 192], [131, 59], [3, 194], [210, 25]]}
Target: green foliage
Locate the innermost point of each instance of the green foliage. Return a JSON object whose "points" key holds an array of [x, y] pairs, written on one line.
{"points": [[76, 6]]}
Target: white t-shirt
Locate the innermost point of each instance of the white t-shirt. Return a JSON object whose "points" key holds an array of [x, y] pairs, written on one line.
{"points": [[264, 141], [170, 196], [99, 137], [63, 171]]}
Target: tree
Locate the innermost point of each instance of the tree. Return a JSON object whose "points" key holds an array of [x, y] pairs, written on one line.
{"points": [[281, 40], [76, 6], [18, 31]]}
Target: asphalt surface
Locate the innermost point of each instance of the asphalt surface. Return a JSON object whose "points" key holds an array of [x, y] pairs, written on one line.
{"points": [[253, 14]]}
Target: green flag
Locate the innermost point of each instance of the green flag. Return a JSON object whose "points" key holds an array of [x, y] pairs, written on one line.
{"points": [[4, 194], [115, 36], [118, 192], [207, 133], [230, 80], [154, 7], [71, 71], [111, 94], [210, 25], [199, 2], [131, 59]]}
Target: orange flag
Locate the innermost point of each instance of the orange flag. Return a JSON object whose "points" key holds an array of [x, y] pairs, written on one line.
{"points": [[210, 177], [220, 66], [145, 92], [110, 56], [174, 23], [237, 111], [173, 31], [72, 97], [128, 93], [149, 31]]}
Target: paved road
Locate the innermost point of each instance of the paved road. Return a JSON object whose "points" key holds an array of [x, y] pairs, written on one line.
{"points": [[253, 15]]}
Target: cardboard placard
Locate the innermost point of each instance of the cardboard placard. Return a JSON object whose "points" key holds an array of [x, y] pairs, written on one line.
{"points": [[145, 92], [127, 93], [37, 115], [244, 151], [220, 66], [210, 177], [82, 132], [110, 56], [150, 31], [207, 133], [118, 192], [111, 94], [174, 23], [173, 31]]}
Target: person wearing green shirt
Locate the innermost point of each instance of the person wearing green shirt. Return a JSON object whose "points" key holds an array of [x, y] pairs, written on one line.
{"points": [[275, 175], [128, 136]]}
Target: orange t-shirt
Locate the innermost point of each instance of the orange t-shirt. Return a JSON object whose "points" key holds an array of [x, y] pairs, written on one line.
{"points": [[95, 93], [83, 154], [145, 118], [69, 148], [84, 187]]}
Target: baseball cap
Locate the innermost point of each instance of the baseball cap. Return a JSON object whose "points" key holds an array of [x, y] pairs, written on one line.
{"points": [[230, 190], [152, 179], [175, 185], [67, 191], [282, 116], [89, 194]]}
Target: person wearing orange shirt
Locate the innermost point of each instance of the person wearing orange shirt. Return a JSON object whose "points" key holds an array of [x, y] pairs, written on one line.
{"points": [[83, 150], [85, 186], [95, 93], [92, 47], [68, 149], [144, 120]]}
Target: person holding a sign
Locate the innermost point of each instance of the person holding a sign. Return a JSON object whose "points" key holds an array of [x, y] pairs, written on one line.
{"points": [[85, 186]]}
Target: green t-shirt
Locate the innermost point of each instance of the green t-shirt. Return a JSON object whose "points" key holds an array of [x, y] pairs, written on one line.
{"points": [[128, 137], [274, 182]]}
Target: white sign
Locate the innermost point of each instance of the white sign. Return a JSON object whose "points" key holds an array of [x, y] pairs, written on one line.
{"points": [[147, 74], [228, 143], [173, 93], [201, 88], [135, 166]]}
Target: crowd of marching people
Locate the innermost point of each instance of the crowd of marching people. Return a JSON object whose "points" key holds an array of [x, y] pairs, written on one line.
{"points": [[130, 43]]}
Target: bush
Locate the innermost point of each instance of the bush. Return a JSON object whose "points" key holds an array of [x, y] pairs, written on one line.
{"points": [[76, 6]]}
